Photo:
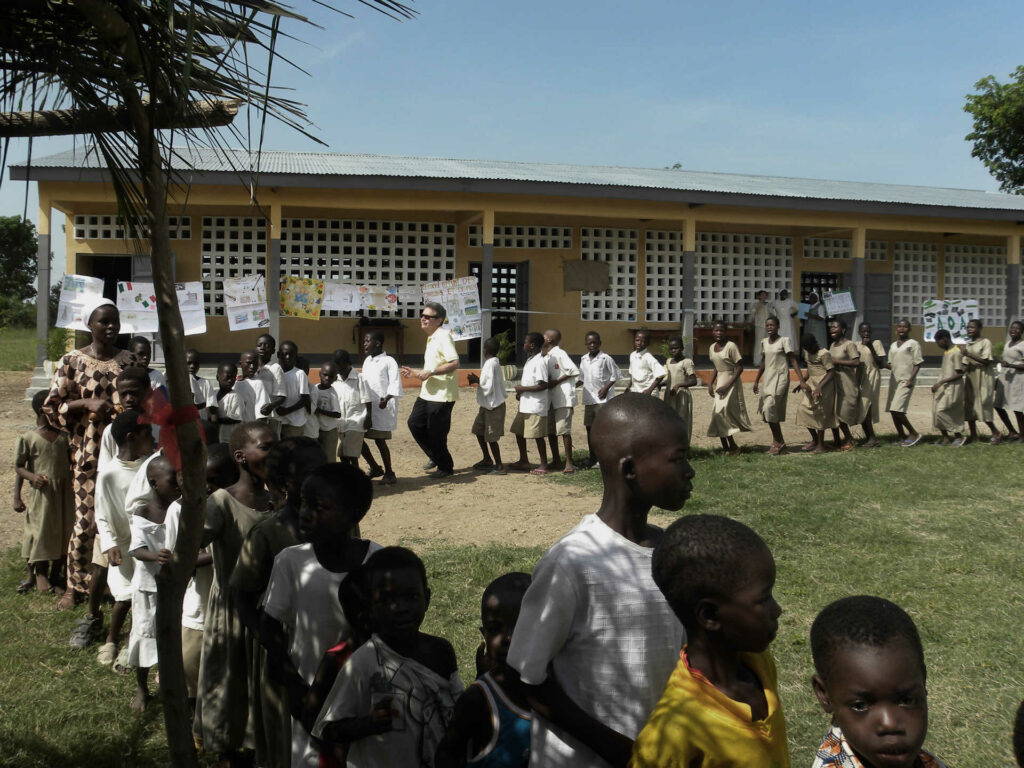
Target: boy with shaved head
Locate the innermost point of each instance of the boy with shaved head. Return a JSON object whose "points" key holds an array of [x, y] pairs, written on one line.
{"points": [[596, 639]]}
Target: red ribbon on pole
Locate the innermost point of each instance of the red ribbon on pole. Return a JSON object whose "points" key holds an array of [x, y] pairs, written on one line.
{"points": [[160, 412]]}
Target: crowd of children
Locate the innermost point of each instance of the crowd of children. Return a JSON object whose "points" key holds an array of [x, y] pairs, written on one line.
{"points": [[302, 641]]}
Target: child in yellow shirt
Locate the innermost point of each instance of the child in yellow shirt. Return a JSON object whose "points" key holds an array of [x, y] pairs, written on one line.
{"points": [[721, 705]]}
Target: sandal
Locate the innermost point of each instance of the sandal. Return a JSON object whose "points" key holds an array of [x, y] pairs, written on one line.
{"points": [[538, 471], [483, 464], [26, 586], [121, 664], [569, 471], [520, 466]]}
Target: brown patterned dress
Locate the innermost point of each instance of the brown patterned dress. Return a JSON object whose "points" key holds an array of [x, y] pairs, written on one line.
{"points": [[79, 376]]}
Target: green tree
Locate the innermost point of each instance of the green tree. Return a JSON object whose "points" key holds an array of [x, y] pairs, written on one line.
{"points": [[998, 135], [17, 258]]}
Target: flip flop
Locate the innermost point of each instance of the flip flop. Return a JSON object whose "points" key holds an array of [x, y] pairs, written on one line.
{"points": [[958, 443], [483, 465], [538, 471], [569, 471], [26, 586], [497, 471], [520, 467], [909, 443]]}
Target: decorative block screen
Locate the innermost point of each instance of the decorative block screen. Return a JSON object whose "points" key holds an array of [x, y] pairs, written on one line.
{"points": [[731, 268], [369, 253], [102, 227], [914, 279], [827, 248], [877, 250], [978, 272], [618, 248], [232, 246], [523, 236], [663, 275]]}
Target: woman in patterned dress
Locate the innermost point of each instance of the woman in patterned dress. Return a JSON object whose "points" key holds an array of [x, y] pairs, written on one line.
{"points": [[81, 401], [1010, 382]]}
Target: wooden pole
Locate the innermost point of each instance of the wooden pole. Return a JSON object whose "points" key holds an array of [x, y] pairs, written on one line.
{"points": [[65, 122]]}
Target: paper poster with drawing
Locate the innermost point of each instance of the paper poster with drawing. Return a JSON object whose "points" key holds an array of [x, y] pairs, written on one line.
{"points": [[245, 303], [950, 314], [839, 303], [137, 304], [461, 300], [75, 292], [339, 297], [301, 297]]}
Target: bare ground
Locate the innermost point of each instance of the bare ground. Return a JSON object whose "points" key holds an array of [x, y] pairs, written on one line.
{"points": [[469, 508]]}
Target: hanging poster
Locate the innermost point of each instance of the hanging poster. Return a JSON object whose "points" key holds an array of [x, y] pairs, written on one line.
{"points": [[340, 297], [301, 297], [951, 314], [245, 302], [839, 302], [380, 298], [461, 300], [137, 304], [75, 292]]}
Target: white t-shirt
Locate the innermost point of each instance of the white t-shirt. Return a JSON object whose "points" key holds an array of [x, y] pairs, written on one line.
{"points": [[139, 492], [594, 614], [353, 396], [202, 390], [560, 364], [260, 394], [232, 405], [113, 525], [534, 372], [490, 393], [644, 368], [296, 384], [303, 596], [380, 377], [597, 371], [272, 375], [326, 398], [157, 379], [197, 591]]}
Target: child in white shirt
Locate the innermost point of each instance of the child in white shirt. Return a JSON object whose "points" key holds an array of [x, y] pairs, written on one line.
{"points": [[354, 402], [489, 425], [380, 375], [562, 375], [202, 390], [645, 372], [598, 376], [532, 394], [327, 410], [232, 403], [295, 408]]}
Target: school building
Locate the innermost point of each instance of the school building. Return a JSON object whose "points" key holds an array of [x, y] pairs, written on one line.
{"points": [[670, 249]]}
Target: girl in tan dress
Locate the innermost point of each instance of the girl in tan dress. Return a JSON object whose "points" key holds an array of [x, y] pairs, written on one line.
{"points": [[81, 401], [729, 412], [1010, 382], [980, 389], [42, 461], [818, 407], [679, 377], [849, 371], [872, 356], [777, 357], [905, 361], [222, 705], [948, 392]]}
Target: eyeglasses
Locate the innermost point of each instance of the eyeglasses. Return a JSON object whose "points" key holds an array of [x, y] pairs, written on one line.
{"points": [[428, 317]]}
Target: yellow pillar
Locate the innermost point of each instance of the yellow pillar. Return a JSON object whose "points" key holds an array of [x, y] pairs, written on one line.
{"points": [[274, 270], [1012, 278], [858, 250]]}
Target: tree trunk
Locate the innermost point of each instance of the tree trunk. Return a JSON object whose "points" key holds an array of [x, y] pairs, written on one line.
{"points": [[66, 122], [173, 578]]}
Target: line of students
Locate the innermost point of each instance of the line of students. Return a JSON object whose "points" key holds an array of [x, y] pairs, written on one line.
{"points": [[635, 646]]}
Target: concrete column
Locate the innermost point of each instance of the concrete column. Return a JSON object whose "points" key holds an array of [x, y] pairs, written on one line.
{"points": [[486, 267], [43, 267], [689, 227], [1012, 278], [858, 250], [274, 272]]}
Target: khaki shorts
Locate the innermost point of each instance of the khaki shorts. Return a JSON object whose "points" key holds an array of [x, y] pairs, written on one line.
{"points": [[378, 434], [328, 439], [490, 423], [530, 425], [560, 421], [99, 557], [590, 413], [350, 444], [290, 430]]}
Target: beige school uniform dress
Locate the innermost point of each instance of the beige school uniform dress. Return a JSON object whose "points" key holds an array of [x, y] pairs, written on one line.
{"points": [[871, 381], [847, 381], [775, 379], [1010, 391], [980, 389], [902, 360], [49, 511], [729, 413], [681, 401], [948, 401], [820, 413]]}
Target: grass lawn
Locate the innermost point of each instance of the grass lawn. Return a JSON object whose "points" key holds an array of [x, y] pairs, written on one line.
{"points": [[17, 349], [936, 530]]}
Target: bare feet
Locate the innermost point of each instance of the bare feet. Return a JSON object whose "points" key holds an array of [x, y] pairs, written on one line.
{"points": [[140, 700], [520, 466], [67, 600]]}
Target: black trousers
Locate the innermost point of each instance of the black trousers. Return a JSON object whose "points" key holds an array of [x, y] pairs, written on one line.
{"points": [[429, 424]]}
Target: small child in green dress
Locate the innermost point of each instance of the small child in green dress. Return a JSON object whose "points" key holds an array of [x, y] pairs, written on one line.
{"points": [[43, 460], [680, 377]]}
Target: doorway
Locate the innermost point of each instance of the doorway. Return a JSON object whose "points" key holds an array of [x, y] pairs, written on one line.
{"points": [[878, 305], [510, 291]]}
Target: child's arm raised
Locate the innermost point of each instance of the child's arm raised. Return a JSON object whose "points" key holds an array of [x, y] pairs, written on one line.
{"points": [[161, 557], [470, 726]]}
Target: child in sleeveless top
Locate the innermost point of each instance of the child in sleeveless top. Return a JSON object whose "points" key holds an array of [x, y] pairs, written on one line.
{"points": [[491, 724]]}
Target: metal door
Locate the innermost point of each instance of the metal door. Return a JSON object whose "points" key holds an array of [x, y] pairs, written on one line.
{"points": [[878, 305]]}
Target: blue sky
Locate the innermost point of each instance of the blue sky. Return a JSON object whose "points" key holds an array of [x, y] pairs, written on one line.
{"points": [[867, 91]]}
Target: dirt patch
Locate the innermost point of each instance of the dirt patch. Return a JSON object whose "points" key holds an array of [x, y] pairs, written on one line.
{"points": [[469, 508]]}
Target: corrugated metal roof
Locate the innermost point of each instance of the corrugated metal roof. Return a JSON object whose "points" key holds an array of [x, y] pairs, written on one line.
{"points": [[322, 164]]}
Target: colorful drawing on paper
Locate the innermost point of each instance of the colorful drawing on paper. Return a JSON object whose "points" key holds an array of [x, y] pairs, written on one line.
{"points": [[245, 300], [339, 297], [75, 292], [461, 300], [951, 315], [301, 297]]}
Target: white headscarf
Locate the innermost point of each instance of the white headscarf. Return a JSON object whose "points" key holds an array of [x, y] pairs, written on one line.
{"points": [[91, 306]]}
